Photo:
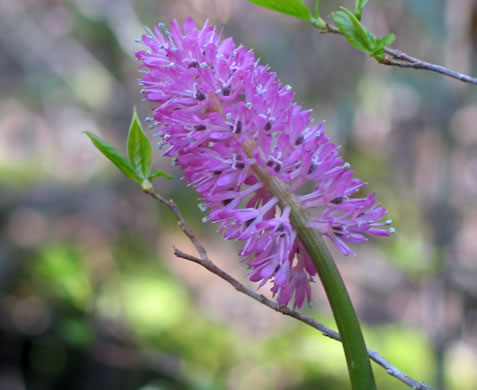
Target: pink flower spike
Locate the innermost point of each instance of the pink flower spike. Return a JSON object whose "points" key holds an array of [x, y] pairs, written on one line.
{"points": [[233, 127]]}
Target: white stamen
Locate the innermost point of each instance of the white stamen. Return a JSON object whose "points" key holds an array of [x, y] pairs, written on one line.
{"points": [[347, 165]]}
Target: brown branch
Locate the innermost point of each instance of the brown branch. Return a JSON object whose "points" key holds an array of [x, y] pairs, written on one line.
{"points": [[402, 60], [205, 262], [173, 207]]}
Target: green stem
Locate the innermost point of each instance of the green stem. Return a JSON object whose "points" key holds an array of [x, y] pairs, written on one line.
{"points": [[359, 367]]}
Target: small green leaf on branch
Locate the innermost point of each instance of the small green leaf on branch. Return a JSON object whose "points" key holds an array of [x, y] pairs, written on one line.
{"points": [[159, 173], [114, 156], [381, 43], [139, 148], [358, 8], [355, 33], [140, 155], [317, 9], [289, 7]]}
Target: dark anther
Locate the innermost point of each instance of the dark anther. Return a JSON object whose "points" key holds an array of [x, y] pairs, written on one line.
{"points": [[268, 126], [240, 165], [200, 95], [312, 168], [238, 127], [217, 172], [226, 91], [337, 230], [226, 201], [299, 140], [200, 127], [269, 163], [277, 168], [249, 222], [193, 64], [360, 215], [281, 227], [337, 200]]}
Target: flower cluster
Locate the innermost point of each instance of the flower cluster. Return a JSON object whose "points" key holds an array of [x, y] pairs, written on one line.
{"points": [[213, 98]]}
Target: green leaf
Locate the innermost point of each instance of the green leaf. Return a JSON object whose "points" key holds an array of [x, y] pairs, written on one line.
{"points": [[358, 8], [159, 173], [289, 7], [388, 39], [116, 158], [139, 148], [354, 32], [317, 9], [381, 43]]}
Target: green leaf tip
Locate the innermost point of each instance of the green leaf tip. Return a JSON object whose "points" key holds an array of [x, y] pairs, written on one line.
{"points": [[355, 33], [381, 43], [139, 148], [358, 8], [289, 7], [160, 173], [114, 156]]}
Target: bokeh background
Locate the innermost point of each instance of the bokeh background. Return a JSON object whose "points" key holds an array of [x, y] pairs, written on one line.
{"points": [[91, 296]]}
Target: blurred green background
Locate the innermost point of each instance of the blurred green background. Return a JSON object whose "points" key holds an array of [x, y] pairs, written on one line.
{"points": [[91, 296]]}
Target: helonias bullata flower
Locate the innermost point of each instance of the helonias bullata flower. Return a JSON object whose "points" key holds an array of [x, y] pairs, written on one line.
{"points": [[234, 129]]}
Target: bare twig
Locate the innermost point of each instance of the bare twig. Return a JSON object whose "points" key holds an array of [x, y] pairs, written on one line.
{"points": [[173, 207], [205, 262], [403, 60]]}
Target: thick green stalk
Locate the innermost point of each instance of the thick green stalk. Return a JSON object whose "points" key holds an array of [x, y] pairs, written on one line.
{"points": [[359, 367]]}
